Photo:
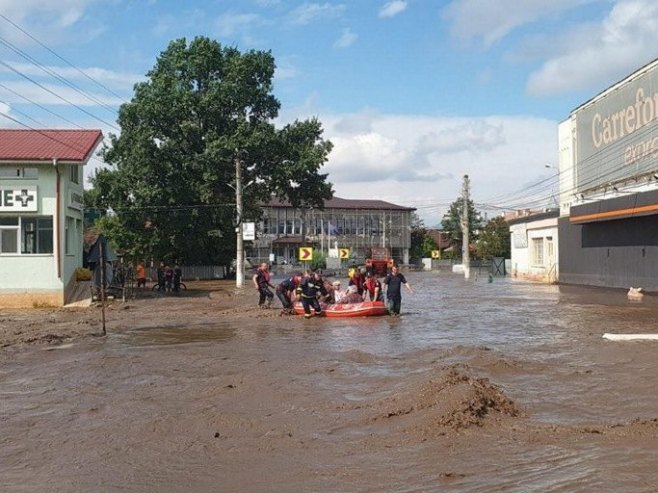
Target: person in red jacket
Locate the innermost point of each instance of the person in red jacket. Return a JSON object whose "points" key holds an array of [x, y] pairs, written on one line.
{"points": [[372, 288]]}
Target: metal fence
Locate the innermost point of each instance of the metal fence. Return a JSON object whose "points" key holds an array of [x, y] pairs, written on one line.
{"points": [[194, 272]]}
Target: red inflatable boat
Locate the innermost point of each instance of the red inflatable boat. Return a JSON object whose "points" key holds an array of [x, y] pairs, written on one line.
{"points": [[343, 310]]}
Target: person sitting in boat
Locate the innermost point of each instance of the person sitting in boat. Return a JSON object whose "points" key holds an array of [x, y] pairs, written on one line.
{"points": [[352, 295], [308, 291], [358, 279], [338, 294], [285, 290], [372, 288]]}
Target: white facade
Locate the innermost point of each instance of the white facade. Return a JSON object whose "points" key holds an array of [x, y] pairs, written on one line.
{"points": [[534, 247], [40, 231]]}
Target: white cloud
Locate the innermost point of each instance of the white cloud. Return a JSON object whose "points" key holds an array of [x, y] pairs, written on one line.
{"points": [[109, 78], [230, 24], [391, 9], [44, 17], [42, 96], [419, 161], [491, 21], [623, 42], [346, 39], [285, 69], [310, 12]]}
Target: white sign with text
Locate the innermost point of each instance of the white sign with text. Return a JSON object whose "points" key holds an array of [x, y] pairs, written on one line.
{"points": [[18, 199]]}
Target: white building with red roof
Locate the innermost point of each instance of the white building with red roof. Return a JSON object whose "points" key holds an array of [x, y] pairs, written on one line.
{"points": [[41, 207]]}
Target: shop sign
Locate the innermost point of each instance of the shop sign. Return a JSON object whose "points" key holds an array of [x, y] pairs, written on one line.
{"points": [[18, 199]]}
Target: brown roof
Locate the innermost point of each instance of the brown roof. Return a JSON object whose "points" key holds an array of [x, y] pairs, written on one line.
{"points": [[441, 239], [288, 240], [46, 145], [338, 203]]}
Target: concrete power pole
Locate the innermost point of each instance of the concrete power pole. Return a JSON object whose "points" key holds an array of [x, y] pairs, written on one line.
{"points": [[239, 256], [466, 256]]}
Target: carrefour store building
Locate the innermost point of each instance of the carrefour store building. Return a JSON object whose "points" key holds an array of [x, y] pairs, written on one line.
{"points": [[608, 228], [41, 206]]}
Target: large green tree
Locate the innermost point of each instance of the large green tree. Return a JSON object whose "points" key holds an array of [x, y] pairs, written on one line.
{"points": [[494, 240], [422, 243], [203, 110], [451, 222]]}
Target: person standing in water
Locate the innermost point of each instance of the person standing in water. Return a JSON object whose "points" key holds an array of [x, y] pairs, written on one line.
{"points": [[262, 283], [394, 282]]}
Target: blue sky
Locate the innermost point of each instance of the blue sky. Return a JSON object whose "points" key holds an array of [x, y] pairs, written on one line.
{"points": [[413, 93]]}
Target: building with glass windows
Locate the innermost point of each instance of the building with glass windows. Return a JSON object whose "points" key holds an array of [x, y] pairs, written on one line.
{"points": [[357, 225], [41, 206]]}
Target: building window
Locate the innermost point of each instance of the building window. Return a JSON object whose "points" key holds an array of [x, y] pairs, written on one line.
{"points": [[538, 251], [75, 173], [35, 233], [16, 172], [9, 235]]}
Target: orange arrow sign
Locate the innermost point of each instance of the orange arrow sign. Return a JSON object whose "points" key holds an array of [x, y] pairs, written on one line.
{"points": [[305, 253], [344, 253]]}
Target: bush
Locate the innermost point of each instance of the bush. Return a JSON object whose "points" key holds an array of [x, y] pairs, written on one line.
{"points": [[82, 274]]}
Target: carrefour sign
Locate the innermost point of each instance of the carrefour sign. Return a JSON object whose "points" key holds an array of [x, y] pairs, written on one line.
{"points": [[617, 135], [18, 199]]}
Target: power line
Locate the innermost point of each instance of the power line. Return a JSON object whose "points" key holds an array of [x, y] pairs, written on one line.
{"points": [[18, 72], [61, 58], [54, 74]]}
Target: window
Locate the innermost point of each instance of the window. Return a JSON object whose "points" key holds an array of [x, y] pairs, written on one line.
{"points": [[538, 251], [35, 233], [75, 173], [9, 235], [16, 172]]}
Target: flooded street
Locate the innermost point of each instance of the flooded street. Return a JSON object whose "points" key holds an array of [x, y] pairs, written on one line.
{"points": [[478, 387]]}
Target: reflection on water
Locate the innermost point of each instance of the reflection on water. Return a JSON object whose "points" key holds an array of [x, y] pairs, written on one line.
{"points": [[189, 407]]}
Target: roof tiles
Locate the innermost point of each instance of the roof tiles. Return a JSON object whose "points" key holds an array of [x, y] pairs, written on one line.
{"points": [[46, 145]]}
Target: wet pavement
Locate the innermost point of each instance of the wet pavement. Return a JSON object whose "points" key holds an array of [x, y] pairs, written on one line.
{"points": [[258, 403]]}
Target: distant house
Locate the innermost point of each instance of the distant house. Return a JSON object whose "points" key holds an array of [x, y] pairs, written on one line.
{"points": [[442, 239], [534, 248], [41, 189]]}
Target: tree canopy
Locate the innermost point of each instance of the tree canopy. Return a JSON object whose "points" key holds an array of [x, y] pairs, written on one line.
{"points": [[451, 222], [494, 240], [203, 110]]}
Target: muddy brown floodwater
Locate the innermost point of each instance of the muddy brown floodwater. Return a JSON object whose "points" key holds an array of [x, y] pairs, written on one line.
{"points": [[478, 387]]}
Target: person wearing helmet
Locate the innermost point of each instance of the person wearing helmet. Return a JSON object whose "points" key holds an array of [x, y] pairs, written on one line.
{"points": [[308, 291], [372, 288]]}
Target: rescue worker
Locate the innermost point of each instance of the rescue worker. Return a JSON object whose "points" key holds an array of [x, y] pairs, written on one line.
{"points": [[372, 288], [308, 291], [285, 291], [262, 283]]}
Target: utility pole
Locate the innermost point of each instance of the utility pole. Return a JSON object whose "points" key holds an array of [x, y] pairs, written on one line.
{"points": [[239, 256], [466, 256]]}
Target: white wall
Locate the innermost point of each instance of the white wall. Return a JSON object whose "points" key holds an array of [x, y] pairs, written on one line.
{"points": [[523, 264]]}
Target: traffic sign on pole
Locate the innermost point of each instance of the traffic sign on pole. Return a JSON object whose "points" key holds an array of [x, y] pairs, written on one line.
{"points": [[343, 253], [305, 253]]}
